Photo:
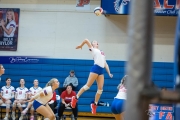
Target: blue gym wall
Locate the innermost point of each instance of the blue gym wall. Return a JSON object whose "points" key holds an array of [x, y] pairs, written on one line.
{"points": [[45, 69]]}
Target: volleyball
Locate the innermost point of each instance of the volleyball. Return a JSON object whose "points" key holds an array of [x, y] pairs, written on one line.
{"points": [[98, 11]]}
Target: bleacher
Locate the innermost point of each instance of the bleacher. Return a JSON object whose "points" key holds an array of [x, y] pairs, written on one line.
{"points": [[162, 76]]}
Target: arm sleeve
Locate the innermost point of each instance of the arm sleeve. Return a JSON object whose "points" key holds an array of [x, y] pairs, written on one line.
{"points": [[16, 91], [27, 91], [2, 89], [92, 50], [47, 90], [13, 90], [12, 25]]}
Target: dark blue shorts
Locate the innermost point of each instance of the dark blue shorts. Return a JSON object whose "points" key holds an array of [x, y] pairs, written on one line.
{"points": [[97, 69], [36, 104], [117, 106]]}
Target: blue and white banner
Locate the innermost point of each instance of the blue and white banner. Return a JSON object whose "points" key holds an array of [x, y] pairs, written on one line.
{"points": [[161, 7], [161, 112], [20, 60]]}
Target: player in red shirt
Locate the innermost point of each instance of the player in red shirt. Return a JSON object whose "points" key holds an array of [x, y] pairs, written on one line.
{"points": [[66, 101]]}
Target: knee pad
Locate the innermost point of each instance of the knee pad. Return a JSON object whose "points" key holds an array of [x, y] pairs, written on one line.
{"points": [[85, 87], [32, 108], [19, 104], [99, 91], [7, 105], [14, 104], [46, 119]]}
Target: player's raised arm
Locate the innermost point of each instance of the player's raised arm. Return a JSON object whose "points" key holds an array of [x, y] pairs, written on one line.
{"points": [[86, 41]]}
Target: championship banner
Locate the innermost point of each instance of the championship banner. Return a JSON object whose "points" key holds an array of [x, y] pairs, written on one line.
{"points": [[9, 24], [161, 7], [160, 112]]}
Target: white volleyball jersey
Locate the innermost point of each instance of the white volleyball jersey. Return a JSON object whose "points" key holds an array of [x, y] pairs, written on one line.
{"points": [[122, 93], [9, 25], [99, 57], [33, 90], [7, 91], [48, 95], [21, 92]]}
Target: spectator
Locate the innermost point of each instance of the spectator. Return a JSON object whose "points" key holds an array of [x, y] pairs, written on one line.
{"points": [[66, 97], [70, 80], [7, 93]]}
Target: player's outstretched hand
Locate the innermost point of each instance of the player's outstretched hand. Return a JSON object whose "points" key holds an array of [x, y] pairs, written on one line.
{"points": [[110, 75], [30, 100], [79, 47]]}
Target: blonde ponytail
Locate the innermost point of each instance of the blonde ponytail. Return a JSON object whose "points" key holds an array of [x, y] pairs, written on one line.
{"points": [[50, 83], [124, 81]]}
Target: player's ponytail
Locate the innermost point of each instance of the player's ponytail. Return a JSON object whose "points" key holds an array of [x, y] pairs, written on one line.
{"points": [[124, 81], [50, 83]]}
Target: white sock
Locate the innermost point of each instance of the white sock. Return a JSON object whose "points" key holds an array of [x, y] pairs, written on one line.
{"points": [[96, 103], [46, 119], [7, 114]]}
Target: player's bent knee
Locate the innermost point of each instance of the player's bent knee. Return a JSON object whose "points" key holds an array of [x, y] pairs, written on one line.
{"points": [[19, 104], [14, 104], [85, 87], [51, 117], [99, 91]]}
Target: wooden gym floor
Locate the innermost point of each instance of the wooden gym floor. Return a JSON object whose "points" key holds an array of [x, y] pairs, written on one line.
{"points": [[92, 118]]}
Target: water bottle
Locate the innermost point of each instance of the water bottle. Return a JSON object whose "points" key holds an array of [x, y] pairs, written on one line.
{"points": [[104, 104], [107, 104]]}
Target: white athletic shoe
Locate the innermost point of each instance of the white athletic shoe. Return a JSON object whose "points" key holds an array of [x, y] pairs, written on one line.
{"points": [[21, 118], [24, 111], [6, 118], [32, 118], [13, 116]]}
